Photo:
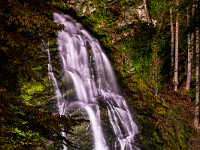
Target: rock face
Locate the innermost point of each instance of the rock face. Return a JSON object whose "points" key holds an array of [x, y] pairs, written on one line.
{"points": [[128, 13]]}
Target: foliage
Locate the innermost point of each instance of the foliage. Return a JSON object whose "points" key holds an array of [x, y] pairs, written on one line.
{"points": [[23, 70], [29, 89], [21, 125], [25, 23]]}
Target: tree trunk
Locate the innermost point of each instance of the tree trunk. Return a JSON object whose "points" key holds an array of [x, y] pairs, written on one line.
{"points": [[176, 53], [172, 40], [196, 119], [190, 51], [146, 10], [189, 56]]}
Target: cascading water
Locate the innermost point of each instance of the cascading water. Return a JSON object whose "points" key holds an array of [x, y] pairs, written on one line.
{"points": [[55, 84], [86, 66]]}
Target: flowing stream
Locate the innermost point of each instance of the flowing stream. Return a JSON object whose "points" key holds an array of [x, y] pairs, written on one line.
{"points": [[88, 73]]}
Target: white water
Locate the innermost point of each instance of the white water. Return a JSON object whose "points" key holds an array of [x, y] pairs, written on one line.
{"points": [[91, 73], [56, 89]]}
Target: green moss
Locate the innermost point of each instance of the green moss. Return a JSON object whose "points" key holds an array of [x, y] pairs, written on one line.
{"points": [[160, 111], [165, 104], [29, 89], [156, 136]]}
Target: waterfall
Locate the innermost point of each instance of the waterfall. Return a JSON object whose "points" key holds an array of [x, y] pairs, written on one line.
{"points": [[87, 71]]}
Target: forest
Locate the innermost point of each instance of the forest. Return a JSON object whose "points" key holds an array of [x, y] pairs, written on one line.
{"points": [[153, 47]]}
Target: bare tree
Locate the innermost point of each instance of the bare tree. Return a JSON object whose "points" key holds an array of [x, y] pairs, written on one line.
{"points": [[190, 39], [146, 10], [196, 120], [172, 40], [176, 51], [189, 57]]}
